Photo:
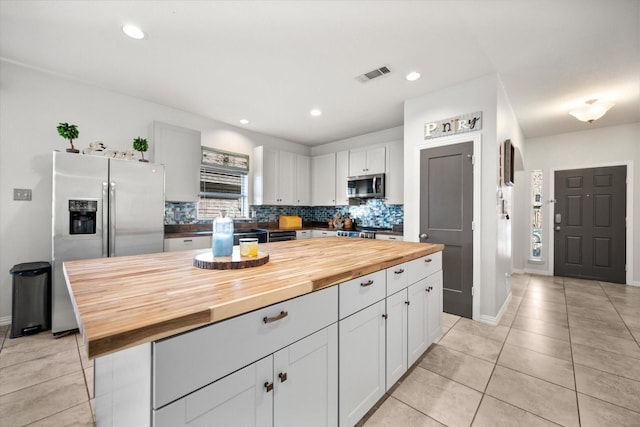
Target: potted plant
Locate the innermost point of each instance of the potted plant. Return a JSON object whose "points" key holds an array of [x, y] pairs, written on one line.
{"points": [[69, 132], [141, 145]]}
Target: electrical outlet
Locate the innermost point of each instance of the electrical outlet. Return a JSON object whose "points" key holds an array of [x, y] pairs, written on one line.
{"points": [[21, 194]]}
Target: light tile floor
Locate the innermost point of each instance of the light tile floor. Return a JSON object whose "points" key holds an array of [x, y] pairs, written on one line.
{"points": [[565, 353]]}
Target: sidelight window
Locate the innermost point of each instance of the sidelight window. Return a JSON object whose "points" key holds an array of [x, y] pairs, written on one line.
{"points": [[536, 216]]}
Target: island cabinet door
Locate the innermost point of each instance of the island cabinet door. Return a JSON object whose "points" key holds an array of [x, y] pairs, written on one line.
{"points": [[241, 399], [434, 307], [361, 362], [306, 381], [417, 320], [396, 326]]}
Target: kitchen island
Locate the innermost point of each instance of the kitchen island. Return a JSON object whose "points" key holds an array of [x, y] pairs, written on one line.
{"points": [[170, 334]]}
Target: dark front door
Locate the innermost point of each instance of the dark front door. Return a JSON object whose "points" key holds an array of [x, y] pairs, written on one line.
{"points": [[589, 223], [446, 215]]}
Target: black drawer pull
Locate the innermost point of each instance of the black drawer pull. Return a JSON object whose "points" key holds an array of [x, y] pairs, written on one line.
{"points": [[282, 376], [399, 271], [282, 315], [427, 260], [269, 386], [368, 283]]}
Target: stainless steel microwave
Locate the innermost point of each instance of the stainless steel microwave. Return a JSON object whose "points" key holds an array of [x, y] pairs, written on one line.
{"points": [[366, 186]]}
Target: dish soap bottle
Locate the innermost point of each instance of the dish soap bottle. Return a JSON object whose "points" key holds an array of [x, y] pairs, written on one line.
{"points": [[222, 235]]}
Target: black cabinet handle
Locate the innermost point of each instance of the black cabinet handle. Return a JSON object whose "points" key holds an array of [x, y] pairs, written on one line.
{"points": [[399, 271], [384, 316], [282, 315], [282, 376], [427, 260], [369, 283], [269, 386]]}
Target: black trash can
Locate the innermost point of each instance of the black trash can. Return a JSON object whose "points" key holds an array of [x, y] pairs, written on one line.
{"points": [[31, 301]]}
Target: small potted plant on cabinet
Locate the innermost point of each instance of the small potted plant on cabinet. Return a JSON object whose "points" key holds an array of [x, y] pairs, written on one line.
{"points": [[69, 132], [141, 145]]}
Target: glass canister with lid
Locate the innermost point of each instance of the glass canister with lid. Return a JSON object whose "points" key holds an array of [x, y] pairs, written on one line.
{"points": [[222, 244]]}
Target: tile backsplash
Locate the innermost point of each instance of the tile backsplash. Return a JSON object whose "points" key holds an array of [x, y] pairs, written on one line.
{"points": [[375, 213]]}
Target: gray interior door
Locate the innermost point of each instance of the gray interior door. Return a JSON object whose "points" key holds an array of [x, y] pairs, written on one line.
{"points": [[446, 214], [589, 223]]}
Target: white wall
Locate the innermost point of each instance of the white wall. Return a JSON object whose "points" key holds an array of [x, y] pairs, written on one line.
{"points": [[507, 128], [482, 94], [615, 145], [32, 104], [366, 140]]}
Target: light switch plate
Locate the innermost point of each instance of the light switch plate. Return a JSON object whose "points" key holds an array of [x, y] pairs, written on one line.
{"points": [[21, 194]]}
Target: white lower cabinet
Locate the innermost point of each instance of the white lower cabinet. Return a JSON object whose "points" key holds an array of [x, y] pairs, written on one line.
{"points": [[417, 318], [362, 362], [296, 386], [238, 399], [434, 307], [397, 310], [389, 237], [322, 233], [186, 243], [303, 234], [305, 380]]}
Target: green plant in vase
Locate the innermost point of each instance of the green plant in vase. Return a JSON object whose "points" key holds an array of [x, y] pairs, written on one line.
{"points": [[141, 145], [69, 132]]}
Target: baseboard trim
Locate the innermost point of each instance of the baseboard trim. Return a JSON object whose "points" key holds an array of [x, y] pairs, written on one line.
{"points": [[537, 272], [5, 320], [494, 321]]}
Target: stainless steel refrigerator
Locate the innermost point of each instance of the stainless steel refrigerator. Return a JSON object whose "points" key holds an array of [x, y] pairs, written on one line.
{"points": [[102, 207]]}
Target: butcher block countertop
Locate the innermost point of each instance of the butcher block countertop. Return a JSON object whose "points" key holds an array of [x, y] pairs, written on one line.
{"points": [[125, 301]]}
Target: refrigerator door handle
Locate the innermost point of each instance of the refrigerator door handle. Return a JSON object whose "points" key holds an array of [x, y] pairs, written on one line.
{"points": [[112, 219], [105, 219]]}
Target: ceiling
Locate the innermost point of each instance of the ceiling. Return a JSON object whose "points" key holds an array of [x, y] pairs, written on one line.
{"points": [[271, 62]]}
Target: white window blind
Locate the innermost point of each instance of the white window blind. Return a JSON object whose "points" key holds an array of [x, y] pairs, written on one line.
{"points": [[222, 191]]}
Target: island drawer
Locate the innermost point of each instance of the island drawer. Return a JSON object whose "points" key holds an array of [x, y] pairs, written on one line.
{"points": [[187, 362], [397, 278], [423, 267], [361, 292]]}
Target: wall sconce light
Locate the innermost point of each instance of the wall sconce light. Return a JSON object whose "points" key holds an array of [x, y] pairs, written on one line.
{"points": [[592, 111]]}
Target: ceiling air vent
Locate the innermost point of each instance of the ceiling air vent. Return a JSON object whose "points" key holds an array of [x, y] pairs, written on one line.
{"points": [[363, 78]]}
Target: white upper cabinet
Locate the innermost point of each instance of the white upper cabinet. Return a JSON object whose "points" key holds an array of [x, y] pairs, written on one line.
{"points": [[342, 173], [367, 161], [394, 179], [280, 177], [303, 180], [286, 175], [179, 150], [323, 180]]}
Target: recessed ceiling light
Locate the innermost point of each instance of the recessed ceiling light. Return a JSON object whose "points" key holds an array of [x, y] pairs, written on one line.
{"points": [[315, 112], [413, 76], [133, 32], [244, 121]]}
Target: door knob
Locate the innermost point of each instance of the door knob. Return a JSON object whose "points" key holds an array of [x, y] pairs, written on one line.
{"points": [[424, 236]]}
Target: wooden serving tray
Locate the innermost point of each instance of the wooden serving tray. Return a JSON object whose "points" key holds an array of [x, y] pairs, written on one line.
{"points": [[207, 261]]}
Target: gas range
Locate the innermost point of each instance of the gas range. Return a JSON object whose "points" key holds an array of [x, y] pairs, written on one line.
{"points": [[357, 234], [362, 233]]}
